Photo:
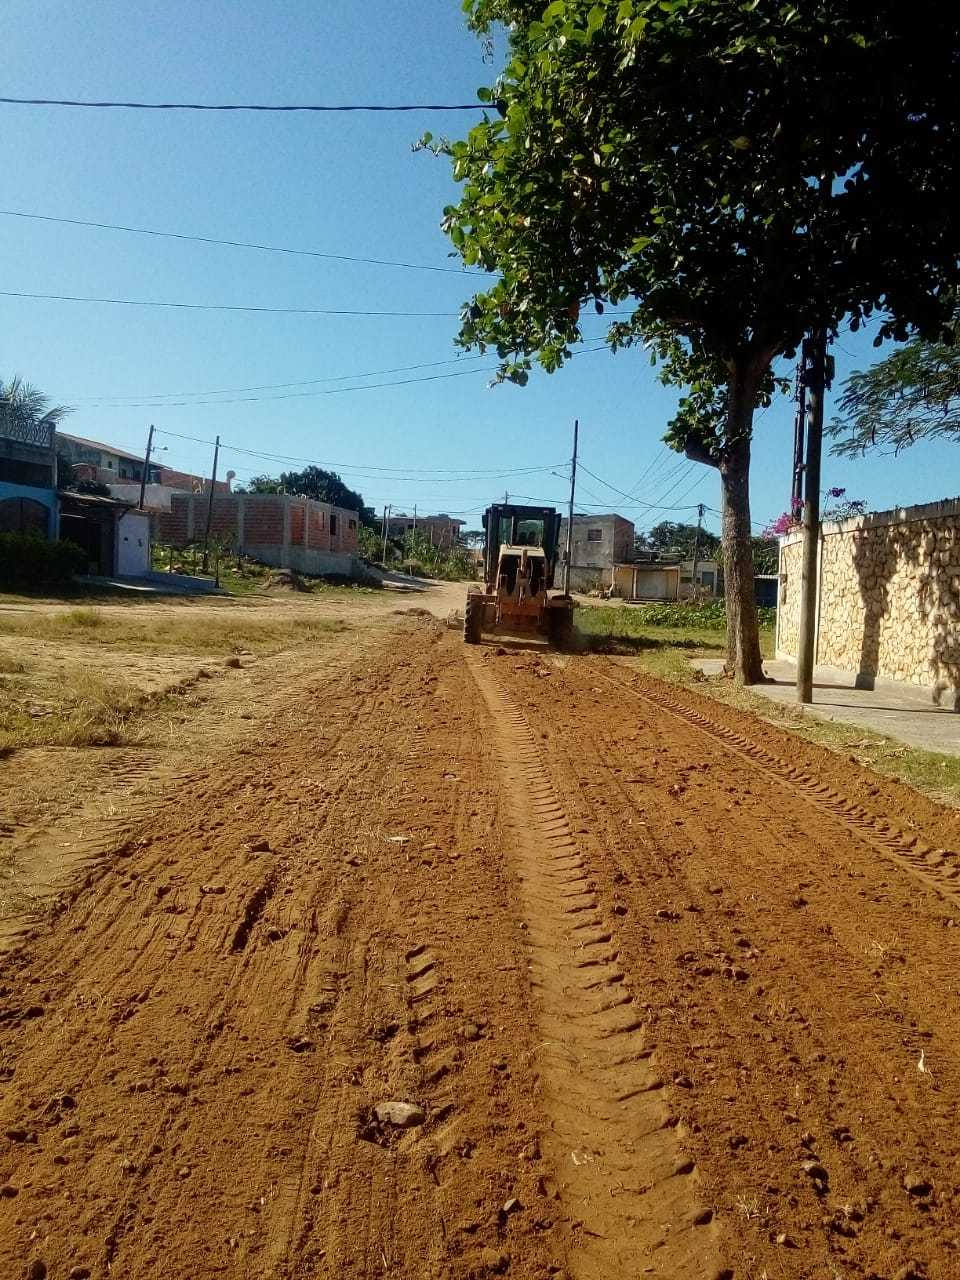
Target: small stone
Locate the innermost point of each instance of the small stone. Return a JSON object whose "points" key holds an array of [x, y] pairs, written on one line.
{"points": [[402, 1115], [37, 1270], [916, 1184], [911, 1271], [212, 888], [737, 1140], [78, 1273], [512, 1205], [8, 1192], [815, 1171], [786, 1242], [184, 1171], [471, 1031], [798, 901], [260, 845], [233, 661], [301, 1044], [16, 1135]]}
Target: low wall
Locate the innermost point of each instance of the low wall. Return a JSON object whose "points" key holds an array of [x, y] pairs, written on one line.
{"points": [[888, 600]]}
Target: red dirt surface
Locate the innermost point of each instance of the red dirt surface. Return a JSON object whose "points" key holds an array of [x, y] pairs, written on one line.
{"points": [[672, 993]]}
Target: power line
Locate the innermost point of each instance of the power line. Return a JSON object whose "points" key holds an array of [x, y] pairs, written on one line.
{"points": [[209, 306], [269, 386], [154, 402], [247, 106], [460, 473], [239, 244]]}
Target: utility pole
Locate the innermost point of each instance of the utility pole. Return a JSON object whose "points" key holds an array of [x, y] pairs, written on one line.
{"points": [[696, 547], [385, 528], [796, 486], [506, 499], [213, 485], [573, 489], [146, 467], [814, 377], [414, 517]]}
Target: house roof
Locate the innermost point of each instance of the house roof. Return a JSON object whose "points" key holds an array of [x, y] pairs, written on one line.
{"points": [[104, 448], [69, 498]]}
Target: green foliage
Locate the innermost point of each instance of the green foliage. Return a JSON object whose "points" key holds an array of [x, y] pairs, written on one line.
{"points": [[22, 404], [314, 482], [730, 175], [703, 616], [912, 395], [369, 543], [671, 535], [765, 555], [29, 563], [454, 564]]}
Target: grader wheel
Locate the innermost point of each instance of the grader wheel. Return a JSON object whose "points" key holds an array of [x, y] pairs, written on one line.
{"points": [[473, 619]]}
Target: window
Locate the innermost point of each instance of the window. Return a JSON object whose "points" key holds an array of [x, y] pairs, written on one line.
{"points": [[594, 535], [333, 525], [351, 524]]}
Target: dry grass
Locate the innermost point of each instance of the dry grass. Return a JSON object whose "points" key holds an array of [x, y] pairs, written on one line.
{"points": [[85, 711], [205, 632]]}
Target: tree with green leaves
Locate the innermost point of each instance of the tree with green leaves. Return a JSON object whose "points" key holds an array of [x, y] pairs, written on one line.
{"points": [[25, 406], [314, 482], [914, 394], [672, 535], [726, 176]]}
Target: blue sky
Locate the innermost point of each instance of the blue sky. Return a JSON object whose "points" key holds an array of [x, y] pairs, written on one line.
{"points": [[341, 184]]}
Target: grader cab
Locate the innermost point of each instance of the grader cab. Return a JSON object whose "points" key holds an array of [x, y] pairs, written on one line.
{"points": [[520, 561]]}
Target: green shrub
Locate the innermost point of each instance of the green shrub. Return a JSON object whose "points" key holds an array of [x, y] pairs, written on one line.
{"points": [[30, 563], [697, 615]]}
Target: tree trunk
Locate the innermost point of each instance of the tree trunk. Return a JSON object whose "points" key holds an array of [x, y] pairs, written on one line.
{"points": [[743, 635]]}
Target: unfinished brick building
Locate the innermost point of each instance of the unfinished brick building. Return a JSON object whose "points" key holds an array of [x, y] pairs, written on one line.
{"points": [[277, 529]]}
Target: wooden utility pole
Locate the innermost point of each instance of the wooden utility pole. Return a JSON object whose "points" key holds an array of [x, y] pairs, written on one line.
{"points": [[213, 485], [573, 488], [146, 468], [385, 528], [696, 547], [814, 377]]}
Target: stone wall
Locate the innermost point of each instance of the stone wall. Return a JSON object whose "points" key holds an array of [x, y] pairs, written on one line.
{"points": [[889, 597]]}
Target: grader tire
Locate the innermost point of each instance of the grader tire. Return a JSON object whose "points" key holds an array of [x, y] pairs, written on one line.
{"points": [[473, 619], [560, 627]]}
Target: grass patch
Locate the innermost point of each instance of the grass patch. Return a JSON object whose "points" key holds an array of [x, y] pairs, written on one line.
{"points": [[222, 632], [88, 712]]}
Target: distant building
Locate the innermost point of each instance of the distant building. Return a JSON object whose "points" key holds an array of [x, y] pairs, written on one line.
{"points": [[275, 528], [28, 477], [661, 578], [599, 542], [85, 459], [440, 531]]}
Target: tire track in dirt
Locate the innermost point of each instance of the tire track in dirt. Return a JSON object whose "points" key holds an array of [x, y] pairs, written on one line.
{"points": [[624, 1175], [799, 992], [938, 868]]}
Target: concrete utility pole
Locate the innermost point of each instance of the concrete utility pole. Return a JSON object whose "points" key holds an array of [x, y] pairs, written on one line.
{"points": [[796, 486], [213, 485], [814, 376], [385, 529], [696, 547], [146, 468], [573, 489]]}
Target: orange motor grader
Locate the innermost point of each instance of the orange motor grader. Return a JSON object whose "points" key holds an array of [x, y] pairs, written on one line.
{"points": [[520, 560]]}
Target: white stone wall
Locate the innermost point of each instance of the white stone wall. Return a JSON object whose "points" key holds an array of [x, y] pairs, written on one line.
{"points": [[889, 597]]}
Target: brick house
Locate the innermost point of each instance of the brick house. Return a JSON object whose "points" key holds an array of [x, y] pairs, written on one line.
{"points": [[275, 528]]}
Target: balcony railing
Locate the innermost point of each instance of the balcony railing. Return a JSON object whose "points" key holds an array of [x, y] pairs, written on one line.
{"points": [[35, 433]]}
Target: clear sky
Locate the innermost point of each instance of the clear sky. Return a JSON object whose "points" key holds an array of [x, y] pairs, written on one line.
{"points": [[339, 184]]}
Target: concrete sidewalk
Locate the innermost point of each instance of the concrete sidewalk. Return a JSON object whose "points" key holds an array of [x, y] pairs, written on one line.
{"points": [[903, 711]]}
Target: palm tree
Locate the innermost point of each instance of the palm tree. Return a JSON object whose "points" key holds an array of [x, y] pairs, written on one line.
{"points": [[26, 413]]}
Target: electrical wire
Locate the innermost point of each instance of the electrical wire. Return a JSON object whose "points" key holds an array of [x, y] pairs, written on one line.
{"points": [[247, 106], [239, 244], [152, 402], [460, 473], [267, 386], [209, 306]]}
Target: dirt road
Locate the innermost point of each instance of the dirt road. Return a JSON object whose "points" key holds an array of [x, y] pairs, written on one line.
{"points": [[662, 992]]}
